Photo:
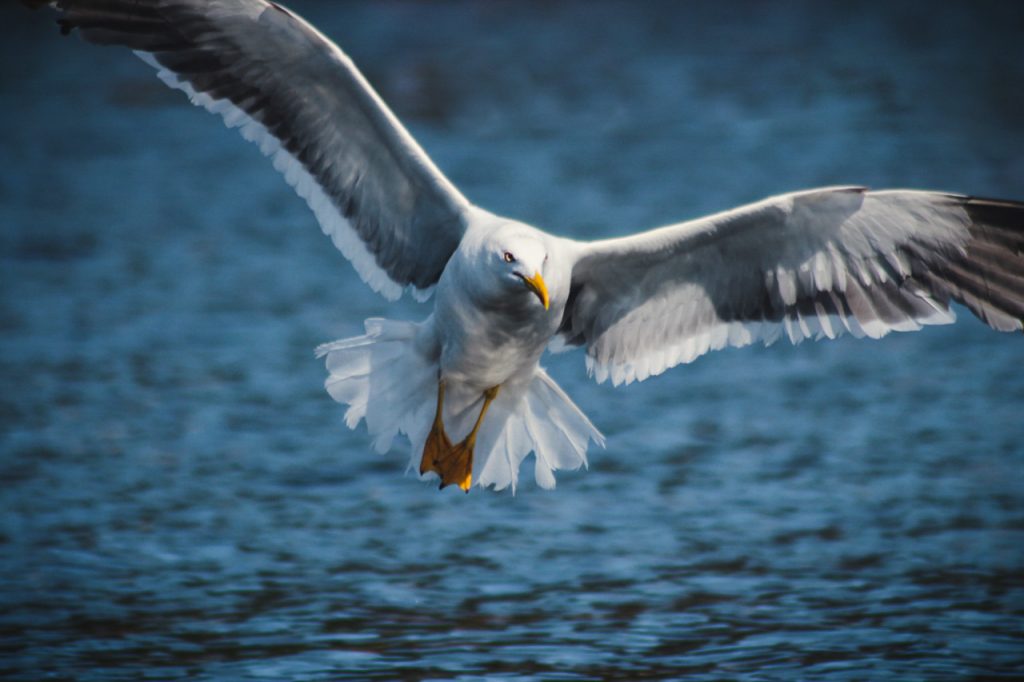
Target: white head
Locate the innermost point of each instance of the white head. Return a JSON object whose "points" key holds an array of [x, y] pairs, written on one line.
{"points": [[518, 254]]}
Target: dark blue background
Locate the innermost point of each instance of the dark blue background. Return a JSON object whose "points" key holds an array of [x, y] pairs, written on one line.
{"points": [[181, 499]]}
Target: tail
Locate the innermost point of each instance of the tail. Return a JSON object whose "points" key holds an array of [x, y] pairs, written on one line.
{"points": [[534, 415], [386, 379]]}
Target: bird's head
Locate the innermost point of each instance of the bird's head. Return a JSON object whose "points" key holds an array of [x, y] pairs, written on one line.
{"points": [[520, 259]]}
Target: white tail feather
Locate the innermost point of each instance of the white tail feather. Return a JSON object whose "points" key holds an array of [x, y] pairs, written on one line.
{"points": [[386, 380]]}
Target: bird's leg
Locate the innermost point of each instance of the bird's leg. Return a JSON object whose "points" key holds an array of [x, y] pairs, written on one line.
{"points": [[454, 464], [460, 467], [438, 445]]}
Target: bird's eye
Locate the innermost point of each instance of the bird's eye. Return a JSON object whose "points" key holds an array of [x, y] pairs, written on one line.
{"points": [[509, 258]]}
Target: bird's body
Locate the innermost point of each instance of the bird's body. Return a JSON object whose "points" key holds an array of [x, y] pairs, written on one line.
{"points": [[487, 337], [483, 334], [465, 385]]}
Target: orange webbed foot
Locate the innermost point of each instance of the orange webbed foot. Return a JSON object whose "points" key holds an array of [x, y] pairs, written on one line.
{"points": [[453, 463]]}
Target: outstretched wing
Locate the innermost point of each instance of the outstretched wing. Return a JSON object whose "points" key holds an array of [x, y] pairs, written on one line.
{"points": [[808, 264], [300, 98]]}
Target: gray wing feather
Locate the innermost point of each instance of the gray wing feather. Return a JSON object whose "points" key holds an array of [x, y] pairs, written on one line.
{"points": [[805, 265], [294, 93]]}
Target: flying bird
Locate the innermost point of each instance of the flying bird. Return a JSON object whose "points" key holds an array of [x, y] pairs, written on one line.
{"points": [[465, 385]]}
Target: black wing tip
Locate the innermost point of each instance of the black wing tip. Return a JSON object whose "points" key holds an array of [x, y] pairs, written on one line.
{"points": [[107, 21], [65, 25], [1006, 214], [994, 200], [991, 278], [1008, 204]]}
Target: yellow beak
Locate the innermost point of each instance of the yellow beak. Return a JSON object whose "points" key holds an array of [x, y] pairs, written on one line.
{"points": [[536, 284]]}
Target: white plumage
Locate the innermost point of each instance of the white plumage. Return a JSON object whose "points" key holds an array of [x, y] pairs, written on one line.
{"points": [[811, 264]]}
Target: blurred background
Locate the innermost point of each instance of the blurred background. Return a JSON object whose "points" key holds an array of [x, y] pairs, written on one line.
{"points": [[181, 498]]}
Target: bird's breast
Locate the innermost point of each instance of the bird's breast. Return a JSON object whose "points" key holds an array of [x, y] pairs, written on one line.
{"points": [[484, 345]]}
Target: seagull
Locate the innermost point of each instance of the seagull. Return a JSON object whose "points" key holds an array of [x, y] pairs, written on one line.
{"points": [[465, 386]]}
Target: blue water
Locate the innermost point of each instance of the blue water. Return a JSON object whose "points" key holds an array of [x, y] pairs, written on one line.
{"points": [[180, 498]]}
